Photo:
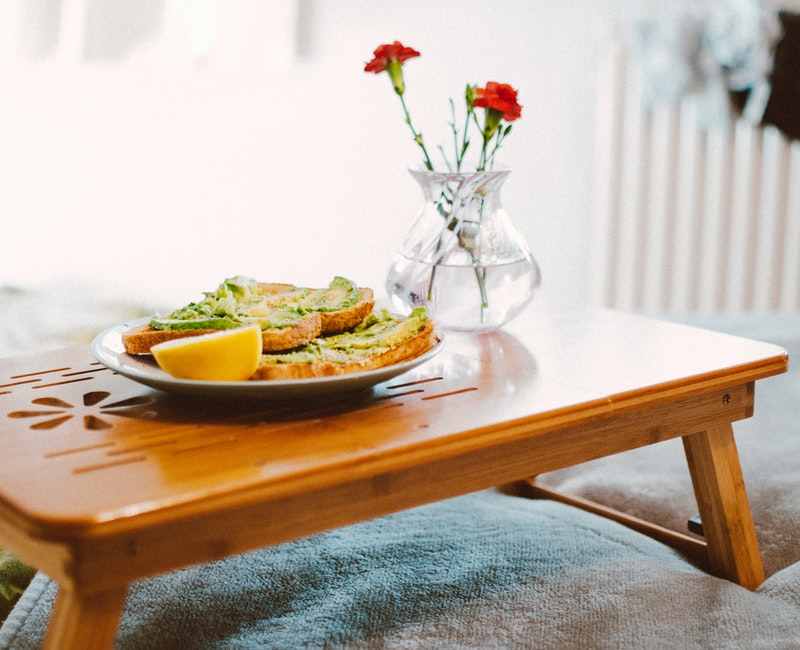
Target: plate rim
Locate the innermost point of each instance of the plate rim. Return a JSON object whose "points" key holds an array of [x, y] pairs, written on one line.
{"points": [[157, 378]]}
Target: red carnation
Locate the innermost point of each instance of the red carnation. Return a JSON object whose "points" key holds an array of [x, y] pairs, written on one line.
{"points": [[390, 52], [501, 98], [390, 58]]}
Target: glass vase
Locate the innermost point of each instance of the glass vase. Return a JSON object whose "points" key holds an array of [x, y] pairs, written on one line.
{"points": [[463, 259]]}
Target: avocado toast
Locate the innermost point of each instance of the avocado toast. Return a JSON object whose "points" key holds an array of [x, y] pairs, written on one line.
{"points": [[305, 332], [289, 316], [380, 340]]}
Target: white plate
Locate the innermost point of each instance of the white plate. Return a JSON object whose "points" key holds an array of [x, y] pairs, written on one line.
{"points": [[107, 348]]}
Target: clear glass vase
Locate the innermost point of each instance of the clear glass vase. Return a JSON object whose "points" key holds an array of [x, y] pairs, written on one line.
{"points": [[463, 258]]}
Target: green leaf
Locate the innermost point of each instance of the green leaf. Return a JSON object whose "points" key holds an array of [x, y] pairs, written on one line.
{"points": [[14, 578]]}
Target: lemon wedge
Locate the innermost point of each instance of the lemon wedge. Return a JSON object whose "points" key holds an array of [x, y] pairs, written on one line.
{"points": [[227, 355]]}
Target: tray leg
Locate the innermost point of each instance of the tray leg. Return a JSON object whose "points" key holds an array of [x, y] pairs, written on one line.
{"points": [[84, 621], [724, 508]]}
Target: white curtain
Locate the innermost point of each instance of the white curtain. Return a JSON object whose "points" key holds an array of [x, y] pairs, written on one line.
{"points": [[241, 35]]}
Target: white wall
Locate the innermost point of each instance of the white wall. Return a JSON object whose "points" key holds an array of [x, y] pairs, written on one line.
{"points": [[153, 183]]}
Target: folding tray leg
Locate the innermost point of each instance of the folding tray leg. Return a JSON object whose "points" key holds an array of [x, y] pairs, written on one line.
{"points": [[730, 549], [724, 508], [84, 621]]}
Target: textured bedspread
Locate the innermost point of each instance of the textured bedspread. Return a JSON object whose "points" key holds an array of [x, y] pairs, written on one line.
{"points": [[481, 571]]}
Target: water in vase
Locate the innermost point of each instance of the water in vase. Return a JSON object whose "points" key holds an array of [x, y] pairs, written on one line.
{"points": [[466, 298]]}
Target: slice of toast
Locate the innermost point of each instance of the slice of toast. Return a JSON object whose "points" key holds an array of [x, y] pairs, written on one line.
{"points": [[342, 304], [334, 322], [338, 355], [286, 338], [140, 339]]}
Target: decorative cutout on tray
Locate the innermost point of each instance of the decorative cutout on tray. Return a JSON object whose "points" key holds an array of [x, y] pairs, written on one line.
{"points": [[57, 411]]}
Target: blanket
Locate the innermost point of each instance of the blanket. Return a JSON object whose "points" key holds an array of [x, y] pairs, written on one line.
{"points": [[490, 570], [480, 571]]}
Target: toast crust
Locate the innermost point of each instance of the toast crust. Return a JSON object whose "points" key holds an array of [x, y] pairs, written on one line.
{"points": [[140, 339], [411, 348], [290, 337], [335, 322]]}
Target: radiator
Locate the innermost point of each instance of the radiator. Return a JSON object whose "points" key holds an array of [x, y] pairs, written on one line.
{"points": [[686, 217]]}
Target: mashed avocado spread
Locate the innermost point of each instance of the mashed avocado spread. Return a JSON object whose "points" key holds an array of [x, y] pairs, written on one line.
{"points": [[340, 294], [376, 334], [242, 301]]}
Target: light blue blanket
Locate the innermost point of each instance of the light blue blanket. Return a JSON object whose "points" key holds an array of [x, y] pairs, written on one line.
{"points": [[481, 571]]}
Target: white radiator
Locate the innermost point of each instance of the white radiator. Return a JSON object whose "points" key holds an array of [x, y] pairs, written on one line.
{"points": [[690, 218]]}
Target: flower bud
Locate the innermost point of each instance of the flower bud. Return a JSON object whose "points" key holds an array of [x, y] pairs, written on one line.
{"points": [[395, 70]]}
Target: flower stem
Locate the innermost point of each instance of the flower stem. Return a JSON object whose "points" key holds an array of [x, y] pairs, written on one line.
{"points": [[430, 282], [480, 275], [417, 136]]}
